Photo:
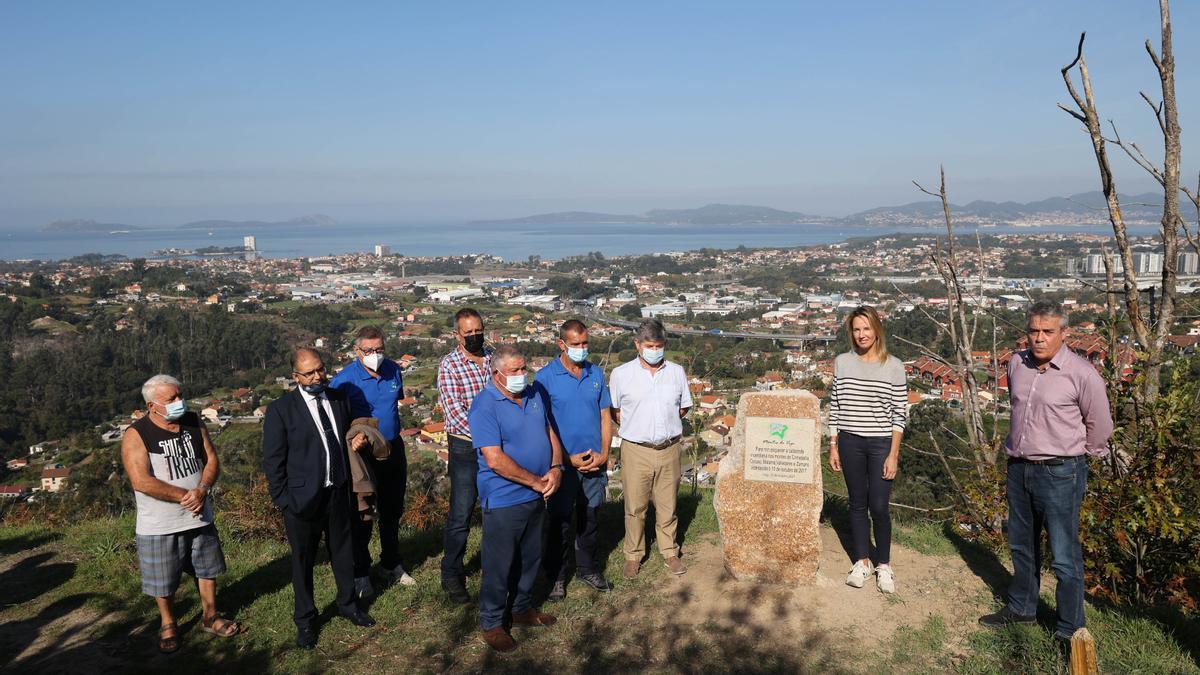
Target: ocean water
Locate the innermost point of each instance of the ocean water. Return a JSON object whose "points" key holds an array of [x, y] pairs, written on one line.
{"points": [[509, 241]]}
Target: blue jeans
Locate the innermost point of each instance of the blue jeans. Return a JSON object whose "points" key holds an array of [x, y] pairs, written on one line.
{"points": [[462, 468], [584, 495], [1047, 496], [511, 550]]}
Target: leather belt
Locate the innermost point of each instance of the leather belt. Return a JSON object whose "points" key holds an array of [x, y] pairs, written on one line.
{"points": [[658, 446], [1055, 461]]}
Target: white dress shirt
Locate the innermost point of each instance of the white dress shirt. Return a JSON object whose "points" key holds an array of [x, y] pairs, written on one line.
{"points": [[649, 403], [312, 402]]}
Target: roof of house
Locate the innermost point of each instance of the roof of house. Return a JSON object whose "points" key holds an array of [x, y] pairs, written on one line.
{"points": [[434, 427], [56, 473]]}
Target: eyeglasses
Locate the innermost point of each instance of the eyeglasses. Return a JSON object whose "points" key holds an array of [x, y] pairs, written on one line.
{"points": [[368, 352], [474, 332], [319, 370]]}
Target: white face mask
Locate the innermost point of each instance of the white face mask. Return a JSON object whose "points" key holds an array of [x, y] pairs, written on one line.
{"points": [[515, 384], [653, 356], [373, 361]]}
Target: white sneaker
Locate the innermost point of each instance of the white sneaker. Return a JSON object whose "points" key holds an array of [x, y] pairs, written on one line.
{"points": [[363, 588], [885, 579], [398, 574], [858, 574]]}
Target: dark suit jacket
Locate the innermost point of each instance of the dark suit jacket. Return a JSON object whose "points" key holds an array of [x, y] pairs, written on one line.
{"points": [[293, 455]]}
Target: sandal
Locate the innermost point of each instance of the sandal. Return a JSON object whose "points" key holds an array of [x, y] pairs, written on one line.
{"points": [[220, 626], [168, 644]]}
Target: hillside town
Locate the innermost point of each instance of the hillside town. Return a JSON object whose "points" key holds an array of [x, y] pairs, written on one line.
{"points": [[760, 319]]}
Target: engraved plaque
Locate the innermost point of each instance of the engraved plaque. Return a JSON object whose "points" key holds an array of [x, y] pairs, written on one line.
{"points": [[780, 450]]}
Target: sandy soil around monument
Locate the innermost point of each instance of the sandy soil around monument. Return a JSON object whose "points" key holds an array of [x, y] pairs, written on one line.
{"points": [[828, 619]]}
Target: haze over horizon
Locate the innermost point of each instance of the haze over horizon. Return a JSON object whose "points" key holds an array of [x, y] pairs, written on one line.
{"points": [[153, 114]]}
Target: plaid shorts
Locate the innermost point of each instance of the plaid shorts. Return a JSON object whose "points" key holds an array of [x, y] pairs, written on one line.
{"points": [[165, 557]]}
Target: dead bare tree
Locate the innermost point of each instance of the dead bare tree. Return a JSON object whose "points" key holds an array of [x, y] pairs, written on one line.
{"points": [[1150, 332], [958, 328]]}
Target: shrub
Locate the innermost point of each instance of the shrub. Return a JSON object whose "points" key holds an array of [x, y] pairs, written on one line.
{"points": [[1141, 516], [249, 513]]}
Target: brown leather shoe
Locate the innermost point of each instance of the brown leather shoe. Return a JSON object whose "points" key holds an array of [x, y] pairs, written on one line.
{"points": [[631, 569], [497, 638], [676, 565], [533, 617]]}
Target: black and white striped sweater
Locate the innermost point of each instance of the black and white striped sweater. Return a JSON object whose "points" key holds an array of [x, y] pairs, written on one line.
{"points": [[868, 398]]}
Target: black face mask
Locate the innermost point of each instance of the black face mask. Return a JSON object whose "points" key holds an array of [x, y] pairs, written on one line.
{"points": [[474, 343]]}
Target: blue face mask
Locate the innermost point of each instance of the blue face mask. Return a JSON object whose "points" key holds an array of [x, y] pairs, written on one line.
{"points": [[315, 388], [577, 354], [652, 356], [515, 384], [175, 410]]}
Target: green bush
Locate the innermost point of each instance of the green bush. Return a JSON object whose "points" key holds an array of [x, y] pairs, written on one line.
{"points": [[1141, 516]]}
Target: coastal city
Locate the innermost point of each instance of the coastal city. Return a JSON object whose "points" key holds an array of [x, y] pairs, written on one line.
{"points": [[741, 320]]}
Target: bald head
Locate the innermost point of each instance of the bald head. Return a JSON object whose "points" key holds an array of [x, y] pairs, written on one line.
{"points": [[305, 359]]}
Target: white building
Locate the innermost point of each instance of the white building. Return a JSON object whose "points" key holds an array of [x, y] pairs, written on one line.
{"points": [[1187, 263], [1147, 263], [655, 311], [382, 250], [249, 243], [1093, 265], [448, 297]]}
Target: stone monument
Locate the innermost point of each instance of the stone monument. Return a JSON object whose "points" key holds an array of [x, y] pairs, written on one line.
{"points": [[769, 494]]}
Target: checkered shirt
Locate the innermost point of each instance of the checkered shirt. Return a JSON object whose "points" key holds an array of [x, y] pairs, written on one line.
{"points": [[459, 380]]}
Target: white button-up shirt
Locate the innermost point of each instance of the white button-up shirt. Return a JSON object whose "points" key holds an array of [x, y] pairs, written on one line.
{"points": [[649, 403], [312, 402]]}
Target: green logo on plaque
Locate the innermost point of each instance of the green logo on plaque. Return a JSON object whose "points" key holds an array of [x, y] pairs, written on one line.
{"points": [[779, 430]]}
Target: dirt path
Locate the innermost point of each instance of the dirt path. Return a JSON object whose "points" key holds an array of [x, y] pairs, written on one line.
{"points": [[828, 626], [48, 630], [926, 586]]}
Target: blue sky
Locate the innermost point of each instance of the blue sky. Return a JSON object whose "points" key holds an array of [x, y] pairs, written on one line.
{"points": [[155, 112]]}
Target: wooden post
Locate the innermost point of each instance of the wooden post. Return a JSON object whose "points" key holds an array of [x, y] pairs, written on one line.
{"points": [[1083, 653]]}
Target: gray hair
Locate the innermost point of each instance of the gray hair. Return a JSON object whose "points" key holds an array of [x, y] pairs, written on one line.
{"points": [[505, 352], [651, 330], [1046, 308], [153, 384]]}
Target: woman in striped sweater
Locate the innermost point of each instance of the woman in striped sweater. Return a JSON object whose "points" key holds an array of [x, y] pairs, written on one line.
{"points": [[867, 411]]}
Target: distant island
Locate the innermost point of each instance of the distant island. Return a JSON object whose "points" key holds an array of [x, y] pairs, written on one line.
{"points": [[1087, 208], [1082, 209], [91, 226], [81, 225], [317, 219], [712, 214]]}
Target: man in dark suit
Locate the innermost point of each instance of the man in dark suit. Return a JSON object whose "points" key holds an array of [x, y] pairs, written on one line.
{"points": [[304, 457]]}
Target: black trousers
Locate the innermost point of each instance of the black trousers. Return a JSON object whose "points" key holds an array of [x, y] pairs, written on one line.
{"points": [[391, 478], [584, 496], [862, 467], [304, 536]]}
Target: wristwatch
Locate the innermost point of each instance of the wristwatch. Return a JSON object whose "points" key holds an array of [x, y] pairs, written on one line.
{"points": [[560, 467]]}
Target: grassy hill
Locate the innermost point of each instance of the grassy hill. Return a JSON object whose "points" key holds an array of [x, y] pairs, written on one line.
{"points": [[73, 604]]}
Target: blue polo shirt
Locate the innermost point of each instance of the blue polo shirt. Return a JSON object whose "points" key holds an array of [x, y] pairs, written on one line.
{"points": [[520, 431], [373, 396], [576, 405]]}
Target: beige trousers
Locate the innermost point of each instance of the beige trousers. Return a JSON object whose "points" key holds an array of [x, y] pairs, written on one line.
{"points": [[649, 475]]}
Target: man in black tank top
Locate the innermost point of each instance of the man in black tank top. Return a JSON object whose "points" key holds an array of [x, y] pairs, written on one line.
{"points": [[172, 465]]}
